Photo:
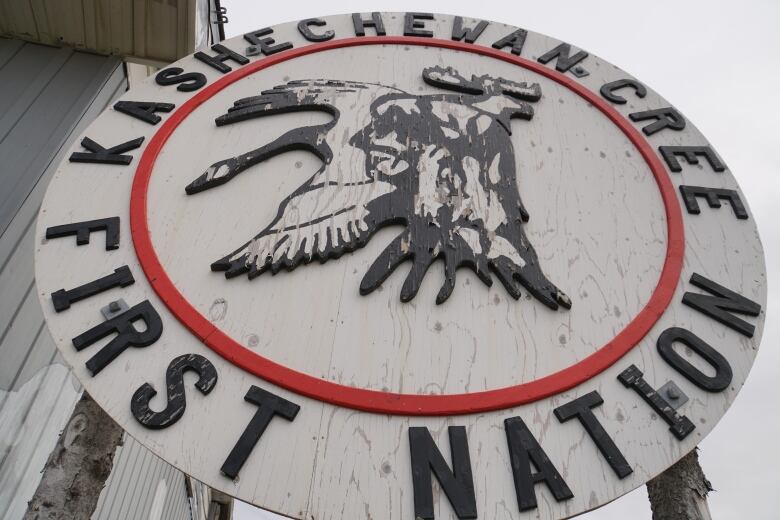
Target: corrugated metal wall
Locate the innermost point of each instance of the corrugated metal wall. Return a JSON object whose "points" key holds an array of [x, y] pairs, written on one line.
{"points": [[47, 97], [158, 30], [142, 487]]}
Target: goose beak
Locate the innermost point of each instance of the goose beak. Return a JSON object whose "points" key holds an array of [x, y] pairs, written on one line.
{"points": [[216, 174]]}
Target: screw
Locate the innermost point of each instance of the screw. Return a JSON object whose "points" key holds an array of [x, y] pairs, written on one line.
{"points": [[114, 306], [672, 393], [578, 69]]}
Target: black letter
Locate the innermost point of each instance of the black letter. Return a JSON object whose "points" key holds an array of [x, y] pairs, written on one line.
{"points": [[581, 409], [266, 45], [515, 39], [689, 153], [717, 383], [717, 307], [375, 22], [223, 54], [303, 28], [608, 90], [106, 155], [177, 400], [413, 24], [143, 110], [82, 230], [190, 81], [466, 33], [523, 450], [563, 62], [664, 118], [121, 277], [270, 405], [458, 484], [127, 336], [679, 425], [689, 194]]}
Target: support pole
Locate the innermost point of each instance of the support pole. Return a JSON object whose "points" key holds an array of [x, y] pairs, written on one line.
{"points": [[77, 468], [680, 492]]}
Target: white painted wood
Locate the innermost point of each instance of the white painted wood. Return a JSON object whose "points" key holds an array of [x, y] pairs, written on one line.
{"points": [[596, 222], [508, 341]]}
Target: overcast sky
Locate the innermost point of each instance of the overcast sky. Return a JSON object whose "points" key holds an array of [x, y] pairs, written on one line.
{"points": [[718, 62]]}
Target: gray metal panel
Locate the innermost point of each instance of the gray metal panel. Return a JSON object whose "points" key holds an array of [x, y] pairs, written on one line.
{"points": [[8, 48], [43, 93], [133, 487], [47, 96], [147, 30]]}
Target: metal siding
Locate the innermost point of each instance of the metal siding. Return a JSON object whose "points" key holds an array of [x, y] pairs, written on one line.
{"points": [[47, 96], [130, 488], [147, 483], [158, 30], [43, 93], [17, 19], [124, 465], [39, 421], [8, 49], [176, 506]]}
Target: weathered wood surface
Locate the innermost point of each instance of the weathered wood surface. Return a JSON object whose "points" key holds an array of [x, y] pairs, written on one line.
{"points": [[77, 469], [334, 462], [681, 491]]}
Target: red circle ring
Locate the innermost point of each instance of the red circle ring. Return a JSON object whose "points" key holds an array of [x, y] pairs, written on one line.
{"points": [[386, 402]]}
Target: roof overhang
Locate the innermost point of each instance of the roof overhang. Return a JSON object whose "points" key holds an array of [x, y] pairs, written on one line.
{"points": [[151, 32]]}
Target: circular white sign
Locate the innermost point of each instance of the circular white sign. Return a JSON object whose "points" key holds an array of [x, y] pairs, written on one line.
{"points": [[399, 265]]}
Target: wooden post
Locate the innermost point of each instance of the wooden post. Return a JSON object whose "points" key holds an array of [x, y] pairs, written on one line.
{"points": [[78, 467], [680, 492]]}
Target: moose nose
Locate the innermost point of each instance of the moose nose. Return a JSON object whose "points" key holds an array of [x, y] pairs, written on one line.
{"points": [[362, 137]]}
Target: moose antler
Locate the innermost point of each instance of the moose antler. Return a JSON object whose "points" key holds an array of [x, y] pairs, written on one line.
{"points": [[450, 79], [524, 91]]}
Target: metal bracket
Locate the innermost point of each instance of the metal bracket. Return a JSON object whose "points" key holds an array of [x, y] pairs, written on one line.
{"points": [[579, 71], [673, 395], [114, 308]]}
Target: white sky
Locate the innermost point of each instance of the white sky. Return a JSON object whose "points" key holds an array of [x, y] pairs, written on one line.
{"points": [[718, 62]]}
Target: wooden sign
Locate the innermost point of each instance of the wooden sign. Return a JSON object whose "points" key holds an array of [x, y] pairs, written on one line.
{"points": [[403, 265]]}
